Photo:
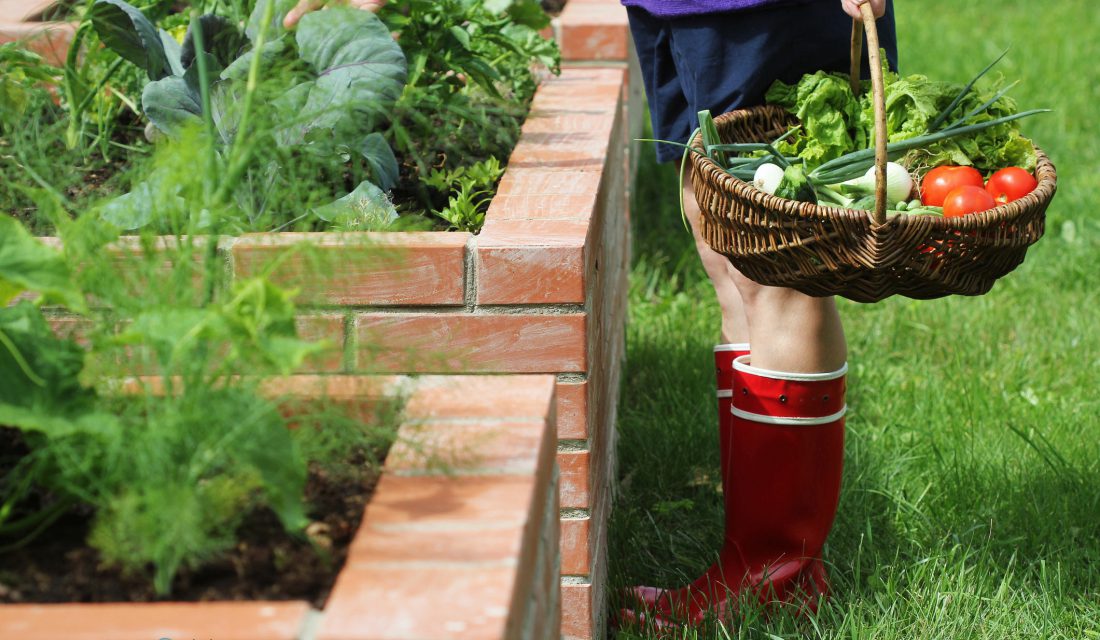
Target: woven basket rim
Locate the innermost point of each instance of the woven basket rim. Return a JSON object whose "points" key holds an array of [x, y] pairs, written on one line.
{"points": [[1043, 193]]}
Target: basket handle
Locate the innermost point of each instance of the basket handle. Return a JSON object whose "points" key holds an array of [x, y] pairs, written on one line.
{"points": [[878, 94]]}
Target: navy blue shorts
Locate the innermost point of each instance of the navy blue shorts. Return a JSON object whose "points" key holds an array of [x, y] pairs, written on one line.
{"points": [[726, 61]]}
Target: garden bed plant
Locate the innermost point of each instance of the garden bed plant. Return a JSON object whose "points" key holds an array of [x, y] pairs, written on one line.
{"points": [[139, 488], [206, 125], [349, 122]]}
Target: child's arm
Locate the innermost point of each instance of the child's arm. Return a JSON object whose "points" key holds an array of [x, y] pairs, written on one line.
{"points": [[305, 6]]}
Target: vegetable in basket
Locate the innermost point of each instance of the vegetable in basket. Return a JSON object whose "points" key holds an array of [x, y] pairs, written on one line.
{"points": [[828, 146], [1010, 183]]}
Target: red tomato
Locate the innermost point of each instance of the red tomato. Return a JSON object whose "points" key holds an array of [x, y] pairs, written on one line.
{"points": [[941, 181], [1010, 183], [967, 199]]}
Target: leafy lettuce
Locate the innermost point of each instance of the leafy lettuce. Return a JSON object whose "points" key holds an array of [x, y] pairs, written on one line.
{"points": [[835, 122]]}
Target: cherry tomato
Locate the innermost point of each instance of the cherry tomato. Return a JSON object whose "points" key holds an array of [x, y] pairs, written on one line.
{"points": [[941, 181], [967, 199], [1010, 183]]}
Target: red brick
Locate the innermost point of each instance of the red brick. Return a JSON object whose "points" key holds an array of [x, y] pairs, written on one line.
{"points": [[220, 620], [361, 268], [594, 31], [576, 612], [492, 543], [73, 328], [572, 410], [444, 343], [574, 468], [441, 503], [403, 602], [575, 546], [330, 329], [515, 396], [335, 388], [532, 194], [490, 447], [570, 122], [561, 151], [588, 89], [532, 262]]}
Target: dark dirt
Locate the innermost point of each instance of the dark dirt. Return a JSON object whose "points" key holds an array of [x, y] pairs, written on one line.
{"points": [[266, 564]]}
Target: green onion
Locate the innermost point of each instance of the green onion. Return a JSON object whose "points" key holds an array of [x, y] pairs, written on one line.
{"points": [[940, 119]]}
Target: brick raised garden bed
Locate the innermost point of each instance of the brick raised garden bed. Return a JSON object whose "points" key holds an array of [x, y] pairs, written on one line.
{"points": [[468, 551], [542, 289]]}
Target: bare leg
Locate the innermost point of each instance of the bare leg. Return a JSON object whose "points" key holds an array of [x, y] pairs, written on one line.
{"points": [[788, 330], [735, 327]]}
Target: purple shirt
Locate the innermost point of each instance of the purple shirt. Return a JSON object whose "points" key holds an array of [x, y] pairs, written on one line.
{"points": [[675, 8]]}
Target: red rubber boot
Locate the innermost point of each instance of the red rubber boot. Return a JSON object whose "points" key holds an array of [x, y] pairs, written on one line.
{"points": [[782, 461], [724, 355]]}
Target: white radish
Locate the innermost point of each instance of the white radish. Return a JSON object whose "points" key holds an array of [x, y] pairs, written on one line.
{"points": [[767, 177], [899, 184]]}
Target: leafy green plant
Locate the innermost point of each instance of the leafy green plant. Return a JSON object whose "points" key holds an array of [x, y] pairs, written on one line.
{"points": [[471, 189], [473, 69], [169, 465], [325, 88]]}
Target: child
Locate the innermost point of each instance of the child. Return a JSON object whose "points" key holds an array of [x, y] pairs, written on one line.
{"points": [[780, 411]]}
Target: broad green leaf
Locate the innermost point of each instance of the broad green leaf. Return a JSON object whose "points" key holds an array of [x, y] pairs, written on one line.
{"points": [[288, 110], [172, 52], [225, 100], [365, 208], [154, 198], [28, 265], [379, 156], [127, 32], [171, 103], [269, 53], [360, 69]]}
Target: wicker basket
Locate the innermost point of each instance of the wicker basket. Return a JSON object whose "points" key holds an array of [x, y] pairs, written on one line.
{"points": [[860, 255]]}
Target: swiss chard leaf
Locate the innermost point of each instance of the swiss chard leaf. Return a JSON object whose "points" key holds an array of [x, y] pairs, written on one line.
{"points": [[270, 52], [127, 32], [171, 103], [172, 51], [154, 197], [379, 156], [360, 70]]}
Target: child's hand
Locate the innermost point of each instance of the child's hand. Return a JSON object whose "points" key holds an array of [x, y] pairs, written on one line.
{"points": [[305, 6], [851, 7]]}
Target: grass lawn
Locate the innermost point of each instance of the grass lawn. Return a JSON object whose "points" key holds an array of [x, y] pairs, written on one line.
{"points": [[971, 499]]}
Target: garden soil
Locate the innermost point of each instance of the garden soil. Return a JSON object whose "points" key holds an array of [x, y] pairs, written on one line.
{"points": [[266, 564]]}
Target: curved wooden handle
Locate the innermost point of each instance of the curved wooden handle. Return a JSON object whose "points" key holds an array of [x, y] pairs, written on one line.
{"points": [[878, 96]]}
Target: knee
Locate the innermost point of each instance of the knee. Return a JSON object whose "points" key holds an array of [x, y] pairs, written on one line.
{"points": [[751, 292]]}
